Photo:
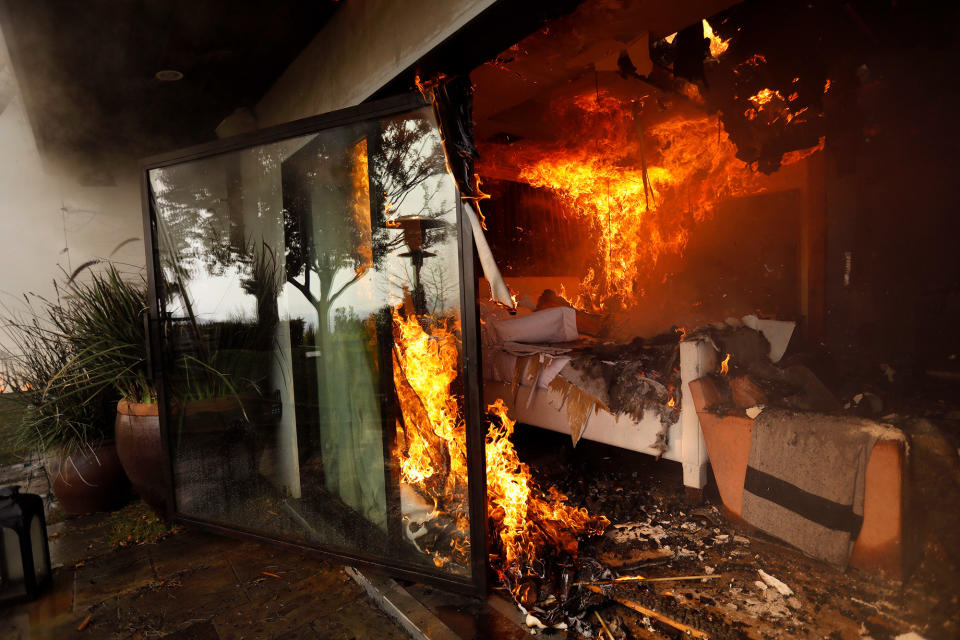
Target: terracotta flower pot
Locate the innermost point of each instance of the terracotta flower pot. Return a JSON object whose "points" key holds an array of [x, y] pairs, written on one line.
{"points": [[141, 451], [88, 481]]}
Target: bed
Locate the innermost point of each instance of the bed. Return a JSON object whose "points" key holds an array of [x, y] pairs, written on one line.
{"points": [[530, 392]]}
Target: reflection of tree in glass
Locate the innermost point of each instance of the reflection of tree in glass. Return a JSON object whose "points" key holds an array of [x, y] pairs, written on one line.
{"points": [[389, 170], [438, 282], [346, 320], [338, 192], [192, 221], [263, 281]]}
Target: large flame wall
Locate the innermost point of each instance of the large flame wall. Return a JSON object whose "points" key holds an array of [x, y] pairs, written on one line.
{"points": [[680, 230]]}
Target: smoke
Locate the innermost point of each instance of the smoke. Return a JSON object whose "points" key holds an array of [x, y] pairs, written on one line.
{"points": [[51, 220]]}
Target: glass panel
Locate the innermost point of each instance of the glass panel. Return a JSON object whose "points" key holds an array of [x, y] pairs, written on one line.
{"points": [[311, 291]]}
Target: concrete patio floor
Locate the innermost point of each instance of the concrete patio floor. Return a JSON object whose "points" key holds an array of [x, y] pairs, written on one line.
{"points": [[193, 586]]}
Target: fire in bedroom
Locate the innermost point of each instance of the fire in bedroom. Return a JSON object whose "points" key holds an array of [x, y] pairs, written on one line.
{"points": [[594, 327], [655, 208]]}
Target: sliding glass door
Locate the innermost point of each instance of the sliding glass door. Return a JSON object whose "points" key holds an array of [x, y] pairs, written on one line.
{"points": [[313, 307]]}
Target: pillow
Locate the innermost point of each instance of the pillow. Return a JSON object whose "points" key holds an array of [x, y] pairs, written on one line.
{"points": [[550, 325]]}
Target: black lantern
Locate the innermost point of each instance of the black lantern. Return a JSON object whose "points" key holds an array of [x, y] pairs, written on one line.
{"points": [[25, 554]]}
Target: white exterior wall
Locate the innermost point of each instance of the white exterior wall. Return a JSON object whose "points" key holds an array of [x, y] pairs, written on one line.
{"points": [[42, 212], [363, 46]]}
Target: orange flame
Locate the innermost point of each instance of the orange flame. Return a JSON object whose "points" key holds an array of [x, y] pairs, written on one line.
{"points": [[641, 208], [525, 520], [10, 386], [360, 206], [792, 157], [770, 106], [476, 199], [725, 365], [433, 434], [717, 44], [764, 96], [429, 362]]}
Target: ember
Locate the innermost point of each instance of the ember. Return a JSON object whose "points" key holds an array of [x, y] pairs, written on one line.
{"points": [[717, 44]]}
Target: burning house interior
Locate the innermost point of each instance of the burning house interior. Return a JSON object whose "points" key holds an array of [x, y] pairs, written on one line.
{"points": [[678, 213], [644, 326], [664, 204]]}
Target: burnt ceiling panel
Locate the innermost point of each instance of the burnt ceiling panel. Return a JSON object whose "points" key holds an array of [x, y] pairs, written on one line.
{"points": [[579, 50]]}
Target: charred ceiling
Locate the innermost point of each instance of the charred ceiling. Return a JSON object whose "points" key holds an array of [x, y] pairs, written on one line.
{"points": [[765, 69], [779, 61]]}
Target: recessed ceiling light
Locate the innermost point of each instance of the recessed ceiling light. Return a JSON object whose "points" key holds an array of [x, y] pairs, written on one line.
{"points": [[168, 75]]}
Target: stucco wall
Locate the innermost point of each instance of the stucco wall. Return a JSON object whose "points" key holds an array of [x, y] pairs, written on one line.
{"points": [[43, 211], [364, 46]]}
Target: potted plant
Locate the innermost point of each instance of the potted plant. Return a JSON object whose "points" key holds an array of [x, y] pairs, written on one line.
{"points": [[104, 324], [61, 418]]}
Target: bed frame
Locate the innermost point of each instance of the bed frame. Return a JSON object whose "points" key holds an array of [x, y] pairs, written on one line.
{"points": [[685, 442]]}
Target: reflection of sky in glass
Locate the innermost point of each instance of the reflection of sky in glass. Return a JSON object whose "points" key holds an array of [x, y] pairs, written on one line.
{"points": [[199, 189], [385, 286]]}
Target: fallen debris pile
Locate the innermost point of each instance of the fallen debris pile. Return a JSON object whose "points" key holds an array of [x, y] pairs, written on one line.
{"points": [[640, 376], [748, 586]]}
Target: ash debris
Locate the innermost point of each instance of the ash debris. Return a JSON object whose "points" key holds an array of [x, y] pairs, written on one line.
{"points": [[656, 532], [639, 376]]}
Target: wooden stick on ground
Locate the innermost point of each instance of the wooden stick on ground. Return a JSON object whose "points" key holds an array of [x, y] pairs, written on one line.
{"points": [[83, 625], [639, 608], [712, 576], [603, 623]]}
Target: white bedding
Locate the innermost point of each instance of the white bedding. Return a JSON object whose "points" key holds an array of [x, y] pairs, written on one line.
{"points": [[507, 337], [499, 364], [547, 326]]}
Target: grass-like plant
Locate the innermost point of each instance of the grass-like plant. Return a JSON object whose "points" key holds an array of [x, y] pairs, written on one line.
{"points": [[77, 354], [103, 321], [59, 411]]}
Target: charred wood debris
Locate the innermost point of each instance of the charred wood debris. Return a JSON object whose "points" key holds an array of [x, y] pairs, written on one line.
{"points": [[704, 576], [668, 569]]}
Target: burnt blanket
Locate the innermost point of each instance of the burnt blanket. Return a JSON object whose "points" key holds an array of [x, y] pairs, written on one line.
{"points": [[805, 480]]}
